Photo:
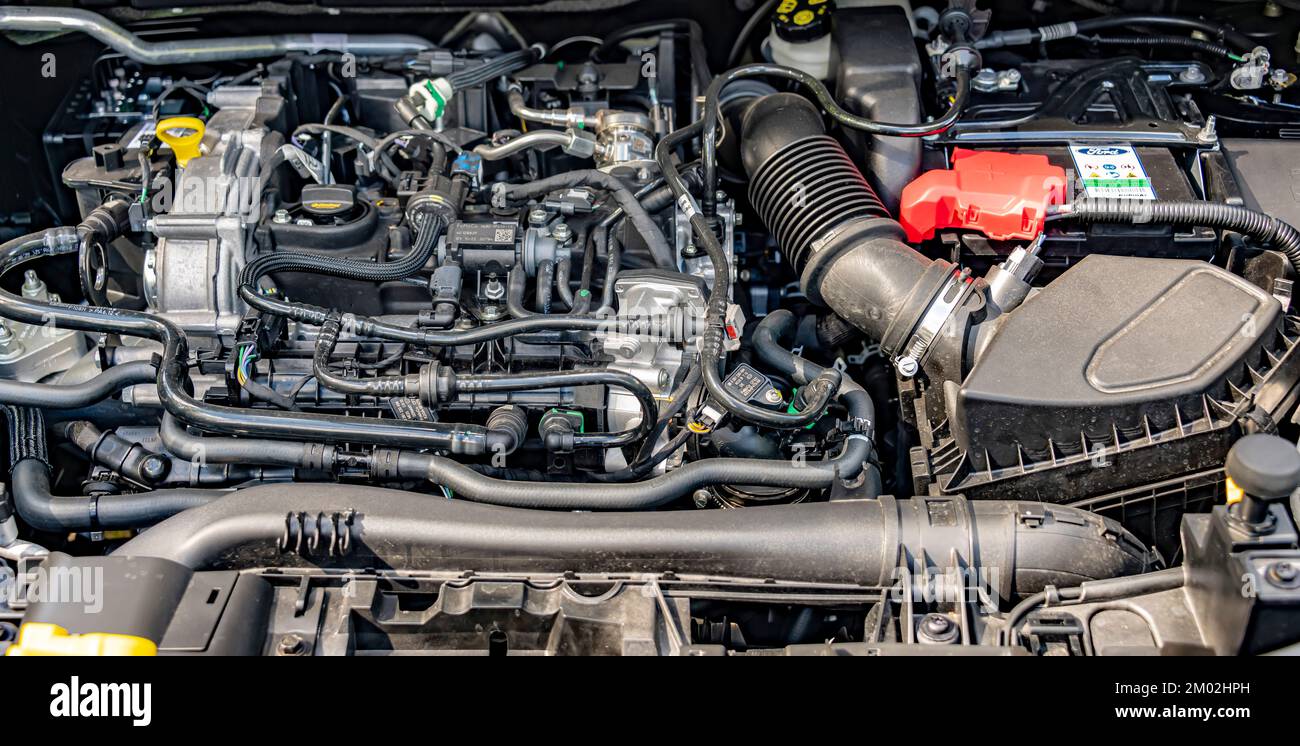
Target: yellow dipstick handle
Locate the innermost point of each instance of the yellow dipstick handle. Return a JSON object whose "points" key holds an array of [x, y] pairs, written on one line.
{"points": [[183, 134]]}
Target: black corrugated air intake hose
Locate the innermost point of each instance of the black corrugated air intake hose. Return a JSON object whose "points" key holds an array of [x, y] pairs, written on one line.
{"points": [[1264, 228], [833, 228]]}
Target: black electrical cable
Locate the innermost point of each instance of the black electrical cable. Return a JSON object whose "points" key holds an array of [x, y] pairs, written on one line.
{"points": [[646, 458], [1260, 226], [760, 14], [502, 64], [1217, 30], [1181, 42], [695, 33], [1068, 29], [1108, 589], [818, 392]]}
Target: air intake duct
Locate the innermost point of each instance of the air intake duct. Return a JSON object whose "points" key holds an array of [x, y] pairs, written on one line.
{"points": [[837, 234]]}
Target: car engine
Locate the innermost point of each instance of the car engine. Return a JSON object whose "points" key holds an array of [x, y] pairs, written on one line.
{"points": [[799, 326]]}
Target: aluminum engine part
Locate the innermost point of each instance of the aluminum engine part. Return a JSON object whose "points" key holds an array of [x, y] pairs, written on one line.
{"points": [[192, 277], [656, 360], [625, 141], [693, 261], [31, 352]]}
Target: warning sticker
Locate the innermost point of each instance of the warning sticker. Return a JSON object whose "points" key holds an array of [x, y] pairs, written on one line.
{"points": [[1111, 171]]}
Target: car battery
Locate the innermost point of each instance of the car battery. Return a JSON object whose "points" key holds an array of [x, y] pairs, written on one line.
{"points": [[1099, 171]]}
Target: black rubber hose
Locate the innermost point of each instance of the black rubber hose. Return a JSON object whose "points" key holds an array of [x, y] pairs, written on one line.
{"points": [[545, 285], [858, 542], [173, 372], [326, 340], [641, 220], [77, 395], [562, 279], [827, 101], [768, 343], [113, 452], [1260, 226], [29, 480], [368, 327], [208, 449], [651, 493], [516, 284], [500, 382]]}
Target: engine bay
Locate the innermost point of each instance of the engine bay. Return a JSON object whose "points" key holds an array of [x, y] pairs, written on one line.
{"points": [[798, 327]]}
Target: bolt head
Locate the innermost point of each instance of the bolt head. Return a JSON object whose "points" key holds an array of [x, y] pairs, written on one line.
{"points": [[292, 645], [1283, 574]]}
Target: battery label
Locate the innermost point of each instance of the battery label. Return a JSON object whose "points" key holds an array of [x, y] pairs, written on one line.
{"points": [[1111, 171]]}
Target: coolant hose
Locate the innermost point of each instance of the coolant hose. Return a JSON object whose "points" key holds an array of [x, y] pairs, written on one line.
{"points": [[466, 483], [29, 479], [1260, 226], [77, 395], [861, 542], [767, 340], [214, 450]]}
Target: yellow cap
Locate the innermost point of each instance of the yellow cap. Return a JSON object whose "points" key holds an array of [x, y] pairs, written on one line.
{"points": [[183, 134], [1235, 493], [43, 638]]}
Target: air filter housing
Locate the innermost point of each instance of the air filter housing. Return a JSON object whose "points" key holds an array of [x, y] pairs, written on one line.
{"points": [[1121, 371]]}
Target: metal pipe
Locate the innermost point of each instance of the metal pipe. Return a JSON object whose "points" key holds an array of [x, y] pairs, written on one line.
{"points": [[573, 117], [201, 50], [535, 139]]}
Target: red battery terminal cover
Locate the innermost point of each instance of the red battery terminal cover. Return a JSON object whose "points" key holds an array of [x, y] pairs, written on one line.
{"points": [[1002, 195]]}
